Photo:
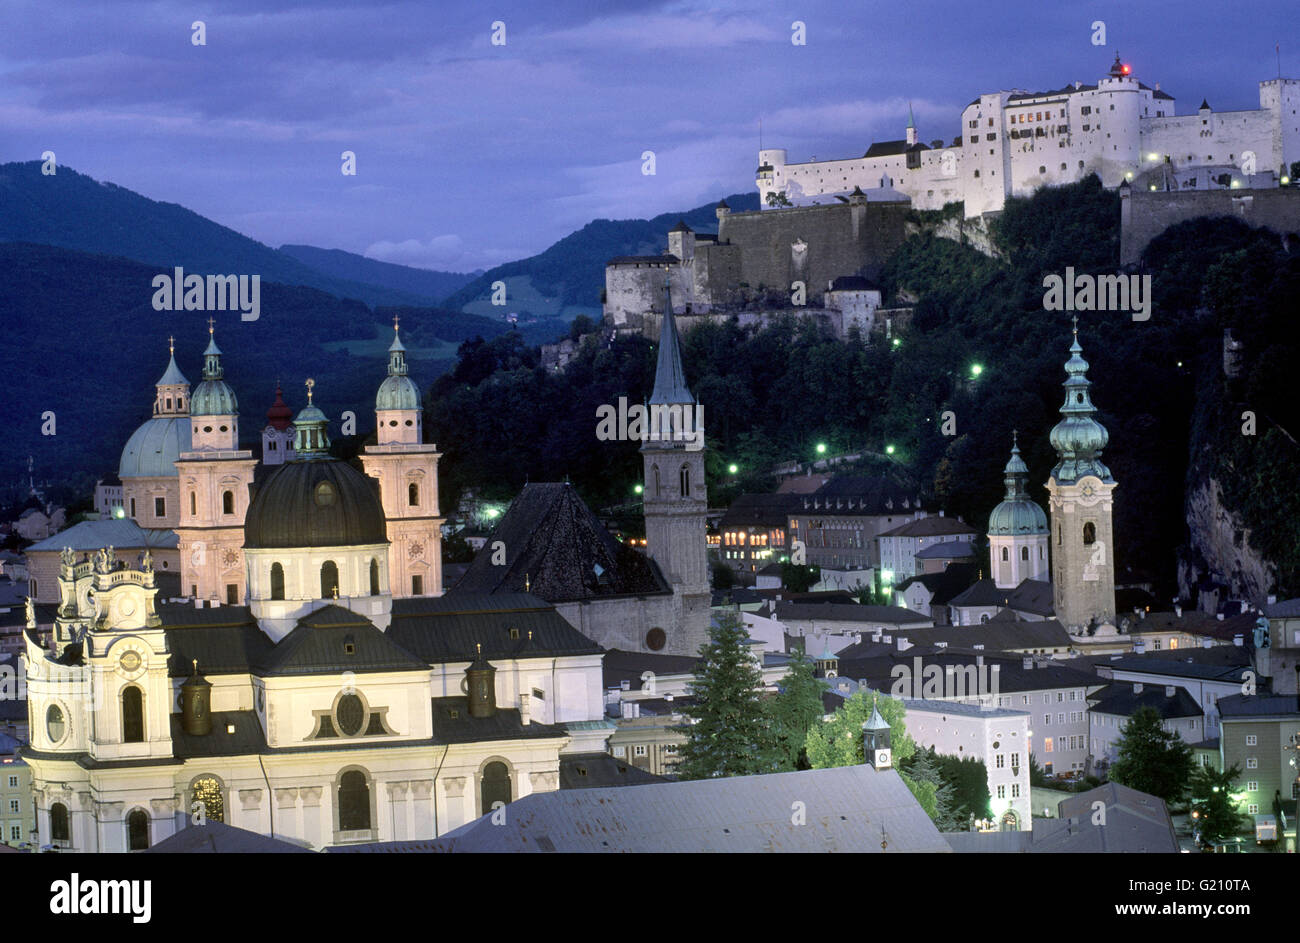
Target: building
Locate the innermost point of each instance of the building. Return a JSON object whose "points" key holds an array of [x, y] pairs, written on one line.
{"points": [[108, 497], [1014, 142], [1017, 530], [1113, 706], [898, 547], [17, 812], [128, 540], [754, 532], [837, 525], [1261, 737]]}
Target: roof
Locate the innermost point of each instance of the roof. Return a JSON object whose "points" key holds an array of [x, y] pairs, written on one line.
{"points": [[448, 628], [1135, 822], [334, 639], [1247, 706], [215, 837], [670, 377], [853, 283], [873, 495], [889, 148], [877, 669], [852, 808], [643, 259], [1122, 699], [948, 550], [851, 612], [246, 740], [1164, 664], [556, 549], [153, 448], [958, 709], [942, 586], [765, 510], [596, 770], [225, 640], [119, 532], [452, 723], [934, 526], [319, 503], [619, 666], [1004, 636], [1286, 609]]}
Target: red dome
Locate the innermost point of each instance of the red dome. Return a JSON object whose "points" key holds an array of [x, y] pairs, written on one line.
{"points": [[279, 415]]}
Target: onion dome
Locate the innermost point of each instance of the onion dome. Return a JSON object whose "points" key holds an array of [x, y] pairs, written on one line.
{"points": [[213, 396], [279, 415], [1018, 514], [1078, 438], [398, 391]]}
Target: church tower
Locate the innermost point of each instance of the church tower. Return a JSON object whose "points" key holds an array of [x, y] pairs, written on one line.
{"points": [[215, 478], [1017, 530], [277, 437], [1080, 489], [674, 494], [407, 471]]}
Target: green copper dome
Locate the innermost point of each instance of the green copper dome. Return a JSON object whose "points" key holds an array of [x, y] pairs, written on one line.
{"points": [[152, 450], [398, 391], [1018, 514], [1078, 438], [213, 396]]}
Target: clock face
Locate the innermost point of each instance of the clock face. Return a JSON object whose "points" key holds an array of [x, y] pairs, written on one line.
{"points": [[129, 661]]}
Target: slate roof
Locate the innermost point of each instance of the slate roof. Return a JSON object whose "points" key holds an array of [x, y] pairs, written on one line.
{"points": [[619, 666], [558, 549], [994, 636], [643, 259], [851, 612], [1120, 699], [452, 723], [218, 838], [982, 593], [861, 495], [851, 808], [890, 148], [318, 644], [1176, 668], [764, 510], [1286, 609], [119, 532], [958, 709], [447, 628], [1033, 596], [933, 526], [1245, 706], [597, 770], [948, 550], [1013, 676], [225, 640], [943, 586], [247, 738]]}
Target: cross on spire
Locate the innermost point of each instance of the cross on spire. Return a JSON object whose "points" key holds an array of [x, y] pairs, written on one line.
{"points": [[1014, 442], [171, 346], [310, 383], [1075, 319], [211, 322], [395, 320]]}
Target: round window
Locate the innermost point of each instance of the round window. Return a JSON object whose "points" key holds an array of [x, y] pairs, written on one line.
{"points": [[324, 494], [55, 725], [350, 714], [409, 423], [207, 428], [392, 422], [224, 428], [655, 639]]}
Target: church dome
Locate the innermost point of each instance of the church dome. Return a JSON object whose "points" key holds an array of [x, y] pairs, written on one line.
{"points": [[397, 392], [322, 503], [154, 447], [1018, 514], [213, 398]]}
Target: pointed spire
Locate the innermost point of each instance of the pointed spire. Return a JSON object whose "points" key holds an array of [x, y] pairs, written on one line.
{"points": [[212, 369], [172, 376], [911, 121], [670, 378], [1078, 438], [396, 354]]}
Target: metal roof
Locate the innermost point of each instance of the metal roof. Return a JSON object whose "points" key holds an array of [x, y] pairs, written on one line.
{"points": [[119, 532], [215, 837]]}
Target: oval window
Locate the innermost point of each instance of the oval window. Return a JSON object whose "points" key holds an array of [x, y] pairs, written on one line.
{"points": [[324, 494], [655, 639], [55, 725], [351, 713], [409, 423], [224, 428], [207, 428]]}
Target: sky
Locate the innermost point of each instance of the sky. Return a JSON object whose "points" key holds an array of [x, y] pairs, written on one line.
{"points": [[469, 154]]}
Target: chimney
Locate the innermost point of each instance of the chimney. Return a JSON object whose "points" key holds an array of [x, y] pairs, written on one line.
{"points": [[196, 704], [1028, 663], [1139, 646], [1137, 687], [1207, 643], [1169, 690], [1220, 617], [1237, 640], [524, 717], [1271, 599]]}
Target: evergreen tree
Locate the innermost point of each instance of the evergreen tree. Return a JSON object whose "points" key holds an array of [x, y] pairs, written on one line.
{"points": [[1214, 812], [1151, 759], [728, 733], [970, 781], [925, 772], [794, 711], [1036, 775]]}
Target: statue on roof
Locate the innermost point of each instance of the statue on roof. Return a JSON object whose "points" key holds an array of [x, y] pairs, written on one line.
{"points": [[31, 613], [67, 556], [101, 560], [146, 563], [112, 558]]}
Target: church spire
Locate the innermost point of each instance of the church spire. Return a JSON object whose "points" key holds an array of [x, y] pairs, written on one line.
{"points": [[670, 378], [1016, 474], [212, 369], [396, 353], [1078, 438]]}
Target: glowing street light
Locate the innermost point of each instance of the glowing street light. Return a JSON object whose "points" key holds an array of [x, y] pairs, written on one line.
{"points": [[638, 489], [733, 468], [897, 342], [889, 450], [821, 448], [493, 513], [976, 369]]}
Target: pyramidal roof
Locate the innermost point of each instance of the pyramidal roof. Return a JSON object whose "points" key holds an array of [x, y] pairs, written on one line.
{"points": [[670, 378], [173, 376]]}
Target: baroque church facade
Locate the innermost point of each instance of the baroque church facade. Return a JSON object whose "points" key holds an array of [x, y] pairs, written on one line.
{"points": [[340, 698]]}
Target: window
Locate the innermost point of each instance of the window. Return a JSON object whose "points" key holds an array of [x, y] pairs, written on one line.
{"points": [[133, 507], [1005, 554], [329, 579], [14, 807], [620, 751], [1024, 554], [413, 494], [1252, 785], [1002, 792], [13, 782], [350, 715], [495, 786], [1047, 745], [1015, 790], [1047, 720], [207, 790], [685, 482], [193, 504], [1060, 718], [232, 594], [59, 823], [354, 801], [55, 726], [1253, 808], [999, 761], [1089, 534], [1252, 762], [132, 715], [417, 584], [639, 750], [159, 507], [227, 502], [277, 581], [137, 830], [15, 832], [1251, 740], [374, 577]]}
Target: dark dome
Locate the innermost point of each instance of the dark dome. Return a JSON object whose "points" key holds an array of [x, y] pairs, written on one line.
{"points": [[325, 503]]}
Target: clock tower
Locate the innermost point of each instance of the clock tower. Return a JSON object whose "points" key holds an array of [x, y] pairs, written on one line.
{"points": [[1081, 489]]}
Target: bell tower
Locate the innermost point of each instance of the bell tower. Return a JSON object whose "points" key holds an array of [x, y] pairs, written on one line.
{"points": [[1080, 489], [675, 497], [407, 470]]}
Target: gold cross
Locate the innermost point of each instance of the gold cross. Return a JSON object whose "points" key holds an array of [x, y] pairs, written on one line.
{"points": [[211, 322], [395, 319], [336, 590], [171, 346], [1075, 319], [310, 384]]}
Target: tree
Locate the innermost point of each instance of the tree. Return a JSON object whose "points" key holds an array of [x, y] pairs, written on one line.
{"points": [[723, 577], [1151, 759], [1214, 811], [927, 778], [838, 741], [799, 579], [728, 734], [1036, 775], [778, 198], [970, 782], [794, 711]]}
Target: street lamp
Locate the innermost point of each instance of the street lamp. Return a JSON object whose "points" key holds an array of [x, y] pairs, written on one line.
{"points": [[733, 468], [821, 448], [889, 450], [638, 489], [976, 369]]}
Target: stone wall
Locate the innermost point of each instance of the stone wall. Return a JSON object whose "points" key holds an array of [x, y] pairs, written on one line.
{"points": [[1220, 548], [1145, 215]]}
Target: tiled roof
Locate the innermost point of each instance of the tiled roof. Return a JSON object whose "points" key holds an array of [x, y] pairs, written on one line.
{"points": [[320, 642], [448, 628], [858, 495], [452, 723], [1121, 699], [556, 549]]}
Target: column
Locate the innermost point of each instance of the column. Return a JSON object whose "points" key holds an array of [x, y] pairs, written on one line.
{"points": [[311, 815], [422, 818]]}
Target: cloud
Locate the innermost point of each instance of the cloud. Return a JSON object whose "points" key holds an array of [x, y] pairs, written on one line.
{"points": [[446, 253]]}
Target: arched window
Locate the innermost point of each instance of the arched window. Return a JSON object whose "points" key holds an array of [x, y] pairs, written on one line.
{"points": [[207, 789], [277, 581], [194, 507], [1089, 534], [1024, 553], [132, 715], [354, 801], [1059, 533], [655, 468], [374, 577], [227, 502], [413, 494], [1005, 555], [59, 830], [329, 579], [495, 786], [686, 481], [137, 830]]}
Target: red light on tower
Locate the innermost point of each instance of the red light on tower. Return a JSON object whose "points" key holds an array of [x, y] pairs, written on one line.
{"points": [[1126, 68]]}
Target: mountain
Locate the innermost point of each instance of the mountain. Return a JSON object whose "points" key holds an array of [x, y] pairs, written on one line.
{"points": [[567, 278], [73, 211], [82, 342], [430, 285]]}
